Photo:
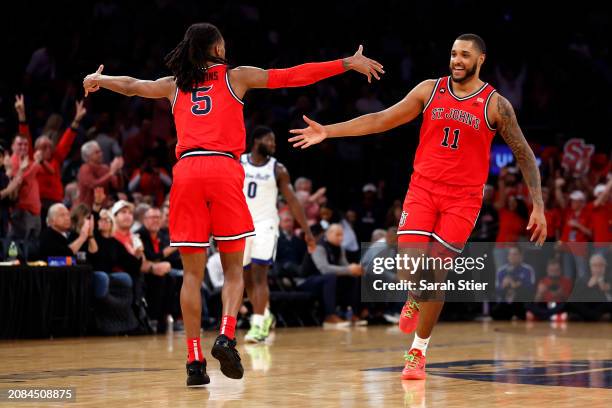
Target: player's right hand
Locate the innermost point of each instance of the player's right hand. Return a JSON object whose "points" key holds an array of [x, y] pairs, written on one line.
{"points": [[90, 83], [537, 224], [313, 134]]}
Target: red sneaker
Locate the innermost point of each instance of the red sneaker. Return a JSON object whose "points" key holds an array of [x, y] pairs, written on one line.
{"points": [[415, 365], [409, 318]]}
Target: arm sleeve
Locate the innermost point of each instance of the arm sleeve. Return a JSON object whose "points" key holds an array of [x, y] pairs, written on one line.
{"points": [[319, 257], [63, 147], [305, 74]]}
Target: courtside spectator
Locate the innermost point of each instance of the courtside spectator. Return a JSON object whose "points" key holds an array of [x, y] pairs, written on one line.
{"points": [[9, 187], [323, 269], [593, 297], [290, 248], [160, 291], [515, 285], [553, 291], [123, 218], [60, 240]]}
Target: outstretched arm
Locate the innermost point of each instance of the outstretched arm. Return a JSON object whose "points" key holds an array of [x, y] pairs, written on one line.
{"points": [[504, 118], [160, 88], [402, 112], [245, 78]]}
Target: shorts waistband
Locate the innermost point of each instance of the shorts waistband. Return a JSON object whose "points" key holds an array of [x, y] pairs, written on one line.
{"points": [[443, 188], [204, 152]]}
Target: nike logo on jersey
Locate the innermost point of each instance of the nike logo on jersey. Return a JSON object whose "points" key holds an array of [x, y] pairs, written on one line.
{"points": [[456, 115]]}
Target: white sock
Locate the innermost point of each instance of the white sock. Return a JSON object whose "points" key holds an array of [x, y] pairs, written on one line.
{"points": [[258, 320], [420, 343], [267, 312]]}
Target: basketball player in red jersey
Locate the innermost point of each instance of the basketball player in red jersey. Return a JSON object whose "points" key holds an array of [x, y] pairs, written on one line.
{"points": [[461, 114], [206, 197]]}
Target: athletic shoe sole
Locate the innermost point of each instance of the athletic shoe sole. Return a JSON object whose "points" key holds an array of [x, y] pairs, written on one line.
{"points": [[227, 361]]}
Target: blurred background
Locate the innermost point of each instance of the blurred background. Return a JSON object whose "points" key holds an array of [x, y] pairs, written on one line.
{"points": [[552, 63]]}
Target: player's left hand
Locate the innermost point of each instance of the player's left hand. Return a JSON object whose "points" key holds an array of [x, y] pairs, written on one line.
{"points": [[360, 63], [537, 222]]}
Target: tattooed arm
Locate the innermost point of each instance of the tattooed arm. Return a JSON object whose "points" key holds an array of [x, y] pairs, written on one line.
{"points": [[504, 119]]}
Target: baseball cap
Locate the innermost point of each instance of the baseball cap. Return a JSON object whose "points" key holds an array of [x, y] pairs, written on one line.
{"points": [[577, 195], [369, 187], [600, 188], [119, 205]]}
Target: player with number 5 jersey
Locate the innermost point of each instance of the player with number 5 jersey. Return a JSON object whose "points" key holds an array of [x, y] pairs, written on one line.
{"points": [[206, 197], [461, 114]]}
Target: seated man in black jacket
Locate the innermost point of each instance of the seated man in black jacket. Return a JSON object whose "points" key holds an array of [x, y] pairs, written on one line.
{"points": [[59, 240], [112, 261], [290, 248], [324, 267], [162, 292]]}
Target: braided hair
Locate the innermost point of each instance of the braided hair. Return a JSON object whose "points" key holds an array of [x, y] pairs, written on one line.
{"points": [[188, 59]]}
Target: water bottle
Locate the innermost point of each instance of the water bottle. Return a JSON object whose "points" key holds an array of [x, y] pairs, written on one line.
{"points": [[13, 253]]}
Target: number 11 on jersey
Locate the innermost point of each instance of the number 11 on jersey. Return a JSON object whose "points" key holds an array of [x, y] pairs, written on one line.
{"points": [[455, 143]]}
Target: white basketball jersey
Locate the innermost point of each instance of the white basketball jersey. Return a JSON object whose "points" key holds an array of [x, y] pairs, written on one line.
{"points": [[260, 189]]}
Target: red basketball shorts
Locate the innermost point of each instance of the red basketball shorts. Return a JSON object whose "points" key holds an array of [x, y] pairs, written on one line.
{"points": [[441, 212], [207, 199]]}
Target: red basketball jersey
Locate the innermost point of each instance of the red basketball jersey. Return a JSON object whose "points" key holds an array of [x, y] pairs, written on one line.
{"points": [[210, 116], [455, 138]]}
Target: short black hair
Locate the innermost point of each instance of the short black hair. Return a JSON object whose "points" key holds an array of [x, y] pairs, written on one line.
{"points": [[476, 39], [259, 132]]}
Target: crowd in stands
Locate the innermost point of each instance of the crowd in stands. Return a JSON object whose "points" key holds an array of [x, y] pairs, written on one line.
{"points": [[90, 179]]}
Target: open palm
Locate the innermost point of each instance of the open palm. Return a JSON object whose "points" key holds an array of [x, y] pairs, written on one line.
{"points": [[313, 134]]}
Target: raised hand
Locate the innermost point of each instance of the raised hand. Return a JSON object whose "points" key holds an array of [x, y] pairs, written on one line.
{"points": [[24, 163], [38, 156], [85, 228], [313, 134], [80, 111], [116, 164], [90, 83], [20, 107], [360, 63]]}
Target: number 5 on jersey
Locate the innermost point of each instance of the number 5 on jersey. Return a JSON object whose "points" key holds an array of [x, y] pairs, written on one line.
{"points": [[202, 104]]}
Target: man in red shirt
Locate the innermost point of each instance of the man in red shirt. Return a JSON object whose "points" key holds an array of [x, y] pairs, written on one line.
{"points": [[49, 178], [94, 173], [25, 217]]}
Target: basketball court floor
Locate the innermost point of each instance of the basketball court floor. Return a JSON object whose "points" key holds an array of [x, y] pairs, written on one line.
{"points": [[514, 364]]}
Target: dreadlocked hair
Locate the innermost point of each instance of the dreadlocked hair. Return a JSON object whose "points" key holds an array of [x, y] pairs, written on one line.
{"points": [[188, 59]]}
